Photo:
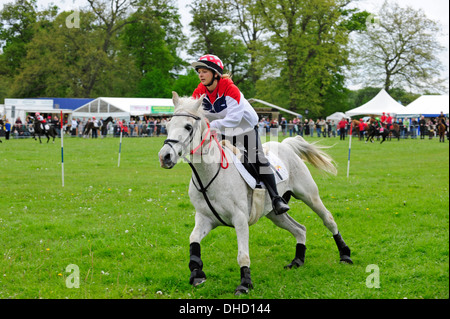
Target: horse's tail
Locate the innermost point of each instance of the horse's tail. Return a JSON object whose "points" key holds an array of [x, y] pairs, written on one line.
{"points": [[311, 153]]}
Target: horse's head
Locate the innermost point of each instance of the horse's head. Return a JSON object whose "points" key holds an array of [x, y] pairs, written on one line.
{"points": [[183, 130]]}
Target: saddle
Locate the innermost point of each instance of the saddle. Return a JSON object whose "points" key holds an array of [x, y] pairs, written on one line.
{"points": [[249, 171]]}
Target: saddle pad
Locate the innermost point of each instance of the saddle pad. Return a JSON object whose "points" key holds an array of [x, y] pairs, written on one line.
{"points": [[277, 165]]}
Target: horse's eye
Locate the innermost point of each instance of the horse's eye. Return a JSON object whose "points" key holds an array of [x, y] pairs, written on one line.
{"points": [[188, 127]]}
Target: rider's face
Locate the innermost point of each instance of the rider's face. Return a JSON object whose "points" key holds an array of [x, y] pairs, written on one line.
{"points": [[205, 76]]}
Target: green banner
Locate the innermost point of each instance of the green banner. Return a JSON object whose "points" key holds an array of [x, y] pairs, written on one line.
{"points": [[162, 109]]}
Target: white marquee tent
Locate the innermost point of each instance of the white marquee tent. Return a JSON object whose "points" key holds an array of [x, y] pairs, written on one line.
{"points": [[427, 105], [337, 116], [382, 102], [118, 107]]}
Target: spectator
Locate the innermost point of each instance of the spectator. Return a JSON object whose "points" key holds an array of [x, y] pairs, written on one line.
{"points": [[290, 127], [311, 127], [362, 129], [389, 121], [320, 126], [95, 127], [283, 124], [274, 127], [7, 129], [158, 127], [422, 127], [414, 125], [342, 128], [383, 119], [73, 127], [334, 128], [406, 124], [306, 127]]}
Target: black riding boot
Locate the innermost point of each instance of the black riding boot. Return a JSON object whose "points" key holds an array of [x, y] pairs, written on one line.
{"points": [[278, 203]]}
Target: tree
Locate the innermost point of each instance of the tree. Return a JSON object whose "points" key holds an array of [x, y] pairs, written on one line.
{"points": [[153, 41], [16, 30], [71, 62], [248, 26], [399, 50], [308, 42], [211, 36], [186, 84]]}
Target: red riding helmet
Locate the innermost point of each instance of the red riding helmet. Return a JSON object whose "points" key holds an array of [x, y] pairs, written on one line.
{"points": [[211, 62]]}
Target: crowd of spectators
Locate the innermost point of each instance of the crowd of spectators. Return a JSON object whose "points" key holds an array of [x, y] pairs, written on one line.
{"points": [[408, 127], [155, 126]]}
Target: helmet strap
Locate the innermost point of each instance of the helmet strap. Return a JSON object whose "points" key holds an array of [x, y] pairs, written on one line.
{"points": [[212, 80]]}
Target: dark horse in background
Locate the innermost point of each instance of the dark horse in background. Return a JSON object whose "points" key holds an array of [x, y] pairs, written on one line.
{"points": [[103, 128], [375, 131], [394, 131], [441, 131], [46, 129]]}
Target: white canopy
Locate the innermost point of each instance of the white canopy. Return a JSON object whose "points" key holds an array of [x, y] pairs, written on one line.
{"points": [[382, 102], [274, 106], [430, 105], [337, 116], [119, 107]]}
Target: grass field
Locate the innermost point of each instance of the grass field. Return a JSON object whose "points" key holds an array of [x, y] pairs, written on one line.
{"points": [[127, 228]]}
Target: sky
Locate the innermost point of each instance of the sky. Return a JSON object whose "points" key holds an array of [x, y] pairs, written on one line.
{"points": [[437, 10]]}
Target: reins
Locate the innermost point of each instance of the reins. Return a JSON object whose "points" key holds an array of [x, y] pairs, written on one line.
{"points": [[212, 136]]}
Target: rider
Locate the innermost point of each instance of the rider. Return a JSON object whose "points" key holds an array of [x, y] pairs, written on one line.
{"points": [[378, 123], [41, 120], [441, 119], [232, 115], [95, 128]]}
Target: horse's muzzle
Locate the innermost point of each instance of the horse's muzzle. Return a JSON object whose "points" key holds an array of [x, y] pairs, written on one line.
{"points": [[166, 158]]}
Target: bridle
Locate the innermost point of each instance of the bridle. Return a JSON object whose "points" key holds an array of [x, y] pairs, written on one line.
{"points": [[202, 189], [189, 139], [185, 143]]}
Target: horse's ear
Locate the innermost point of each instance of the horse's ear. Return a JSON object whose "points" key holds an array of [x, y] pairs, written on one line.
{"points": [[175, 99], [200, 101]]}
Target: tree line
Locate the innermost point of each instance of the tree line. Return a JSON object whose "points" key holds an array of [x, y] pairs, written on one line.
{"points": [[299, 54]]}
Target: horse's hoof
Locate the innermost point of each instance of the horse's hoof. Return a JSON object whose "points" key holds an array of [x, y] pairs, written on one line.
{"points": [[296, 263], [346, 260], [241, 289], [198, 281], [197, 277]]}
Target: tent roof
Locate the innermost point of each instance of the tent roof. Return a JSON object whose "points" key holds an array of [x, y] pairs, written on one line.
{"points": [[382, 102], [336, 116], [427, 105], [118, 106], [274, 106], [67, 103]]}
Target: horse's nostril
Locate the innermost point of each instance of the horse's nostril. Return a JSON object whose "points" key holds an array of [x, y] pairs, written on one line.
{"points": [[167, 157]]}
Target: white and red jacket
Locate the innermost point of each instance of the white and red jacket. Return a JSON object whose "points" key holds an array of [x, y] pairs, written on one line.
{"points": [[226, 108]]}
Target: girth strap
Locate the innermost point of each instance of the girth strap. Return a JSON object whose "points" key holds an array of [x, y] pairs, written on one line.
{"points": [[203, 190]]}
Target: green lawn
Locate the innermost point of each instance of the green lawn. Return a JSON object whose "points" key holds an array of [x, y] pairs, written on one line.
{"points": [[127, 228]]}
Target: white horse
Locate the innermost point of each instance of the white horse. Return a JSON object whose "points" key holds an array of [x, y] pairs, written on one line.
{"points": [[227, 198]]}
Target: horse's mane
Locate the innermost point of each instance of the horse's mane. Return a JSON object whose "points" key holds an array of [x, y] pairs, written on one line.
{"points": [[189, 105]]}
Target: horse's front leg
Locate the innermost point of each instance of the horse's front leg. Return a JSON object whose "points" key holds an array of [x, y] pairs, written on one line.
{"points": [[203, 226], [243, 258]]}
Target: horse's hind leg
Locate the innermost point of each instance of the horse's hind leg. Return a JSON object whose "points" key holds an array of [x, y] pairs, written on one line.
{"points": [[319, 208], [298, 231]]}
